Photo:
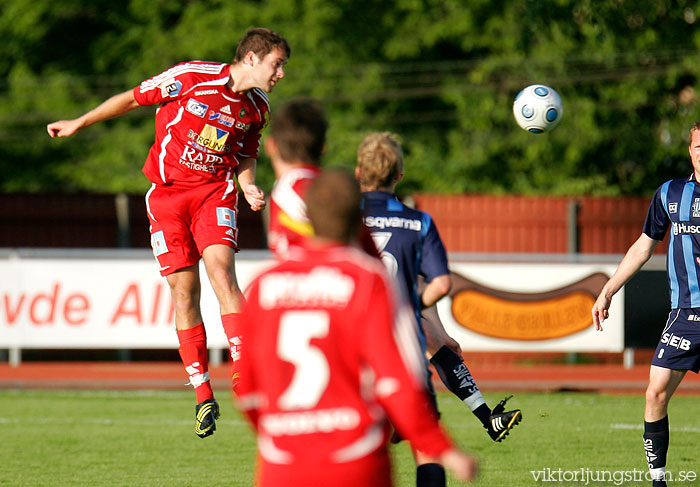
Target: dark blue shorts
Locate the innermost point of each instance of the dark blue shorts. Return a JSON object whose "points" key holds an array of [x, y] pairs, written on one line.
{"points": [[679, 346]]}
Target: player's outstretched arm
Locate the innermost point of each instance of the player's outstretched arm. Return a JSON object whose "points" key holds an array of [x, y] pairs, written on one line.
{"points": [[637, 255], [110, 108]]}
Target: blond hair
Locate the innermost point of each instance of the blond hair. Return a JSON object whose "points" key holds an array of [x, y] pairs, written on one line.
{"points": [[380, 160]]}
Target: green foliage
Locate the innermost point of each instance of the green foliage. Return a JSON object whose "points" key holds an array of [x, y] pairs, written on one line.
{"points": [[442, 74]]}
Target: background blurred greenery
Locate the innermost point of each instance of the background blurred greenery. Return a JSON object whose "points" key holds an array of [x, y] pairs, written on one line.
{"points": [[441, 73]]}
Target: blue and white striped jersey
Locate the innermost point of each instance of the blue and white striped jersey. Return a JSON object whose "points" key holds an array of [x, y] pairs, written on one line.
{"points": [[677, 204]]}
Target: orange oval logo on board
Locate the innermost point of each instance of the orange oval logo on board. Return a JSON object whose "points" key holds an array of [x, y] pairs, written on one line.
{"points": [[525, 316]]}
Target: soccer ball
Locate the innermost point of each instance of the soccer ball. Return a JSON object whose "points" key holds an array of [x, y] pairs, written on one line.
{"points": [[538, 108]]}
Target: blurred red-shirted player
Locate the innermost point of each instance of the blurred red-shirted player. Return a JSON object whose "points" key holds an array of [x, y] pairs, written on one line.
{"points": [[208, 125], [330, 355], [295, 143]]}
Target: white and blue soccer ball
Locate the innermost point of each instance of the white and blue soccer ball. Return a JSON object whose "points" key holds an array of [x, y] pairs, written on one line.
{"points": [[538, 108]]}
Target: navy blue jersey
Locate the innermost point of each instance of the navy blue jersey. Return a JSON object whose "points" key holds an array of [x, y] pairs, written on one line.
{"points": [[677, 204], [407, 240]]}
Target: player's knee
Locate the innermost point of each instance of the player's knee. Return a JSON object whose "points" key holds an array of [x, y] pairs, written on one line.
{"points": [[224, 282], [656, 396], [185, 299]]}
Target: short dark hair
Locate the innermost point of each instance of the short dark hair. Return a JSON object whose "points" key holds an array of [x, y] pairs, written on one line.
{"points": [[261, 41], [333, 205], [694, 128], [299, 129]]}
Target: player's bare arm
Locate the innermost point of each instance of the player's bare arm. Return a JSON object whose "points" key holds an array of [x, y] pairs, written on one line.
{"points": [[435, 290], [245, 172], [110, 108], [637, 255]]}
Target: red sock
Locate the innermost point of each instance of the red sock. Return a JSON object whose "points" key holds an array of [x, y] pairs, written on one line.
{"points": [[232, 328], [195, 358]]}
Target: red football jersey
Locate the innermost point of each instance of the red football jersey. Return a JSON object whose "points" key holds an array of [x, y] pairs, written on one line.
{"points": [[289, 224], [328, 357], [203, 129]]}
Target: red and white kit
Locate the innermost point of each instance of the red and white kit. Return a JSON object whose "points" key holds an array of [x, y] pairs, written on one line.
{"points": [[289, 224], [329, 357], [203, 131], [203, 128]]}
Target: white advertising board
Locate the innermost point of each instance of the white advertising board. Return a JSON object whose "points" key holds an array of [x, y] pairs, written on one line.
{"points": [[123, 303], [530, 307], [98, 303]]}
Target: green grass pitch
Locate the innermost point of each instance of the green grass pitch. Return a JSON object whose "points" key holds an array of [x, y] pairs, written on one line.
{"points": [[146, 438]]}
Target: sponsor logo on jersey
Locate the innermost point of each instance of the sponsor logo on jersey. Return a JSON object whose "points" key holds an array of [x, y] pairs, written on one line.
{"points": [[199, 161], [226, 109], [170, 88], [205, 92], [211, 138], [196, 107], [696, 208], [675, 341], [693, 317], [308, 422], [685, 228], [222, 119], [323, 286], [673, 207], [242, 126], [392, 222], [198, 142]]}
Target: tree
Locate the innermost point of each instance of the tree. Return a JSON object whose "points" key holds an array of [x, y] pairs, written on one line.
{"points": [[441, 73]]}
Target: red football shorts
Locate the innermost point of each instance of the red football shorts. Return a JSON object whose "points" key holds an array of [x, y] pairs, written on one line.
{"points": [[186, 220]]}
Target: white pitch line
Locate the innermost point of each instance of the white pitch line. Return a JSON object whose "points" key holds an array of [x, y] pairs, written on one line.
{"points": [[107, 421], [640, 426]]}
